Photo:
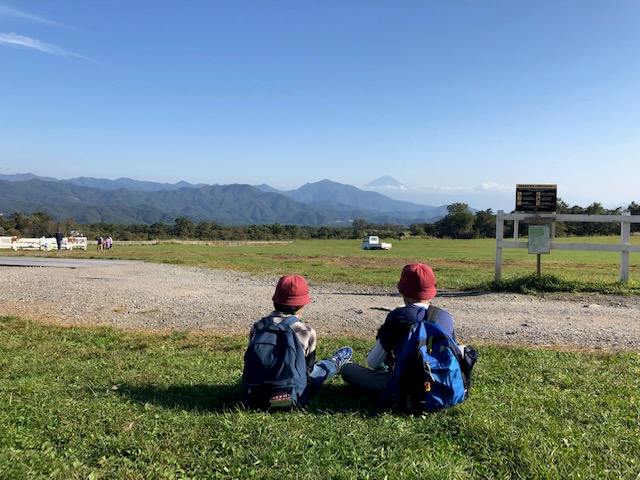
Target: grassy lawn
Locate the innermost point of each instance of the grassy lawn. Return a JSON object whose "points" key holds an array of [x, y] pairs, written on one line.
{"points": [[458, 264], [99, 403]]}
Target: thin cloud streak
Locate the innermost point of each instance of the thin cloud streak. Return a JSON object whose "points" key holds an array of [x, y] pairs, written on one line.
{"points": [[11, 12], [15, 40]]}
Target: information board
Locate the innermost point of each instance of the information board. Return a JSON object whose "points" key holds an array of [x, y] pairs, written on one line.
{"points": [[536, 198], [539, 239]]}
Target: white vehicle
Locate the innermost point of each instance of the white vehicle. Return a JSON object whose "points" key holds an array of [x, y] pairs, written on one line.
{"points": [[372, 242]]}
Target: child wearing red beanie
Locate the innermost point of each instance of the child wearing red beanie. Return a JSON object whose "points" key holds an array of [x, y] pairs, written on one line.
{"points": [[418, 286], [289, 300]]}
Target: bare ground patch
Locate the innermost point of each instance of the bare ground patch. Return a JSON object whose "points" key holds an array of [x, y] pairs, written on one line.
{"points": [[166, 297]]}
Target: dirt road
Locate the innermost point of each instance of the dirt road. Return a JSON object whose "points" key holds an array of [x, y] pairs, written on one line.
{"points": [[150, 296]]}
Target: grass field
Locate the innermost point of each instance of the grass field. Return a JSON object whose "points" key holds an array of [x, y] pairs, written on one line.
{"points": [[458, 264], [96, 403]]}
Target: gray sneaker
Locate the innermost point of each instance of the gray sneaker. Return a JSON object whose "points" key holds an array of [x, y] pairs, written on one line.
{"points": [[342, 356]]}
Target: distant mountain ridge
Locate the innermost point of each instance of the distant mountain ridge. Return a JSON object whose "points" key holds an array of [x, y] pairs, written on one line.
{"points": [[127, 201], [105, 183], [326, 191], [129, 184]]}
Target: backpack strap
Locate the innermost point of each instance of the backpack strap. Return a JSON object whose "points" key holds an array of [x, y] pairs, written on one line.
{"points": [[466, 359], [290, 320], [432, 313]]}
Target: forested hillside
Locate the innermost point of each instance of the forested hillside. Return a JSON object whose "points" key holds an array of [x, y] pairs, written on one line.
{"points": [[331, 204]]}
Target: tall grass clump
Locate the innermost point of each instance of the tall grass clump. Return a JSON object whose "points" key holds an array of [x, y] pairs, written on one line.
{"points": [[546, 283]]}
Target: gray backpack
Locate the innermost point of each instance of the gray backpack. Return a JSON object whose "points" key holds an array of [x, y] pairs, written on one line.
{"points": [[275, 370]]}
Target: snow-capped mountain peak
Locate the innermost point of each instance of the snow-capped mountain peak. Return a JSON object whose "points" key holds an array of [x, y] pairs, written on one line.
{"points": [[385, 183]]}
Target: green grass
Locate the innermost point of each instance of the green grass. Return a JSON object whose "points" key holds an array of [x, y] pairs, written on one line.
{"points": [[99, 403], [458, 264]]}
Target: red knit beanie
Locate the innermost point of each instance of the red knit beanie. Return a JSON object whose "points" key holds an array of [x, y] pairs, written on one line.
{"points": [[417, 281], [292, 290]]}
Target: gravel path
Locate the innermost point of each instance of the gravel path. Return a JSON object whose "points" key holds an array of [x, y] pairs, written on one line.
{"points": [[148, 296]]}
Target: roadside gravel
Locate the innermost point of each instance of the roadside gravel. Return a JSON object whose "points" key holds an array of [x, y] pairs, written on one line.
{"points": [[136, 295]]}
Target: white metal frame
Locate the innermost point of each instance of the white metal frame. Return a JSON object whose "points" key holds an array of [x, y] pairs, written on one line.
{"points": [[625, 219]]}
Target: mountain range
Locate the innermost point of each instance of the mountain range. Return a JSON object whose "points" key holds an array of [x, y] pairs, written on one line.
{"points": [[126, 201]]}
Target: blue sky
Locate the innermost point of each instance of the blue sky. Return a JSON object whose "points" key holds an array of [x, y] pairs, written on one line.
{"points": [[457, 100]]}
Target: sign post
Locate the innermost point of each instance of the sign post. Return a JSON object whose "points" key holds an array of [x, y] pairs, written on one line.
{"points": [[538, 198]]}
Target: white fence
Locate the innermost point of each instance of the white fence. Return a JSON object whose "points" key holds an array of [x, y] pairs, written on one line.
{"points": [[74, 242], [624, 247], [42, 243], [5, 242]]}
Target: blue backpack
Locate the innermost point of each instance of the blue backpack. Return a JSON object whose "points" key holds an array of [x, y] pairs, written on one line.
{"points": [[275, 369], [429, 371]]}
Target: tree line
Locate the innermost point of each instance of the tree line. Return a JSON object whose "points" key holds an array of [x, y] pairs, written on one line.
{"points": [[459, 223]]}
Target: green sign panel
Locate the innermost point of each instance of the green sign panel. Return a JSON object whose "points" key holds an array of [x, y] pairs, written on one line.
{"points": [[539, 239]]}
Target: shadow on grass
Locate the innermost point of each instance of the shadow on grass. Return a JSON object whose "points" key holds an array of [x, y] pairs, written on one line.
{"points": [[216, 398], [223, 398], [342, 399]]}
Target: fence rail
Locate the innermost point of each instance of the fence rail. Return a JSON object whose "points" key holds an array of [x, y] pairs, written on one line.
{"points": [[42, 243], [624, 247]]}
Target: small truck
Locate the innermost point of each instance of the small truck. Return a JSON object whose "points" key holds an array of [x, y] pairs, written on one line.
{"points": [[372, 242]]}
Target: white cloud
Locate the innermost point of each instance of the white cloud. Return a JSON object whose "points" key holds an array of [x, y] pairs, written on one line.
{"points": [[494, 187], [15, 40], [483, 188], [385, 187]]}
